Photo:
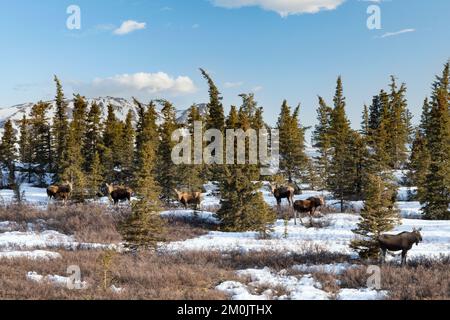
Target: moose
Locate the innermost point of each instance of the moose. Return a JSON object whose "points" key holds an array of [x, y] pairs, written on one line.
{"points": [[62, 191], [283, 193], [309, 205], [187, 198], [400, 242], [118, 193]]}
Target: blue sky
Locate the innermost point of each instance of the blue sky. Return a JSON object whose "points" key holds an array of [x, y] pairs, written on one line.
{"points": [[275, 48]]}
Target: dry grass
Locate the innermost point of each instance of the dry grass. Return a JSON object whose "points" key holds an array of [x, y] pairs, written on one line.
{"points": [[422, 279], [148, 277]]}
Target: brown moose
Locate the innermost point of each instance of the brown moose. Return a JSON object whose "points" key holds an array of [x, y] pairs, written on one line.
{"points": [[283, 193], [119, 193], [309, 205], [400, 242], [62, 191], [187, 198]]}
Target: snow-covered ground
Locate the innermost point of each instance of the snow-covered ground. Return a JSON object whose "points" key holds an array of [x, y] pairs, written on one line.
{"points": [[265, 284]]}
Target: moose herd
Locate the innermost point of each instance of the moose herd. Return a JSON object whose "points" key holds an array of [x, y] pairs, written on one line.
{"points": [[401, 242]]}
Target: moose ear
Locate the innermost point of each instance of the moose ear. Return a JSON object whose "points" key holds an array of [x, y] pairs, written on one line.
{"points": [[420, 229]]}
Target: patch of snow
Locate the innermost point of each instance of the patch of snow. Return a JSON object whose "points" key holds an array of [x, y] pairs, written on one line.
{"points": [[115, 289], [192, 214], [361, 294], [32, 255], [56, 280], [337, 268], [45, 240]]}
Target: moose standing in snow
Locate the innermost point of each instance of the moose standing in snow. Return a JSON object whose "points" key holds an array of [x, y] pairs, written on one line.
{"points": [[187, 198], [62, 191], [118, 193], [309, 205], [403, 241], [283, 193]]}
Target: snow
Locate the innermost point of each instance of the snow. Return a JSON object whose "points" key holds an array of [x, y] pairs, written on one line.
{"points": [[334, 238], [32, 255], [206, 216], [45, 240], [337, 268], [281, 286], [56, 280], [361, 294]]}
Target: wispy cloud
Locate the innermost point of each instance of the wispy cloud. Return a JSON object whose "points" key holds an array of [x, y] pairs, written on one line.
{"points": [[283, 7], [257, 88], [129, 26], [393, 34], [229, 85]]}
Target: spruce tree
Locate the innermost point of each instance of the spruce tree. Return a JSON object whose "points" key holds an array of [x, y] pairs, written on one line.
{"points": [[166, 169], [341, 177], [146, 131], [144, 228], [93, 138], [292, 146], [112, 132], [398, 125], [40, 144], [60, 130], [436, 197], [379, 215], [242, 206], [419, 163], [126, 150], [191, 175], [8, 151], [74, 163], [215, 119], [25, 153], [95, 176], [322, 141]]}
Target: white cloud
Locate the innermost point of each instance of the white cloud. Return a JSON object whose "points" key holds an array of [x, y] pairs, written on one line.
{"points": [[129, 26], [230, 85], [283, 7], [257, 88], [392, 34], [138, 84]]}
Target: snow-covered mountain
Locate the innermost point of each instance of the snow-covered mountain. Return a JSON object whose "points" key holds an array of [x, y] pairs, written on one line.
{"points": [[121, 107]]}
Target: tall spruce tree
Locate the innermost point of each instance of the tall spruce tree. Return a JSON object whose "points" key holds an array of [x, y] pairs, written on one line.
{"points": [[166, 169], [74, 163], [419, 163], [126, 150], [341, 177], [398, 125], [40, 144], [242, 206], [25, 152], [379, 215], [144, 228], [215, 119], [93, 139], [436, 197], [60, 131], [190, 175], [8, 151], [322, 141], [292, 146], [112, 132]]}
